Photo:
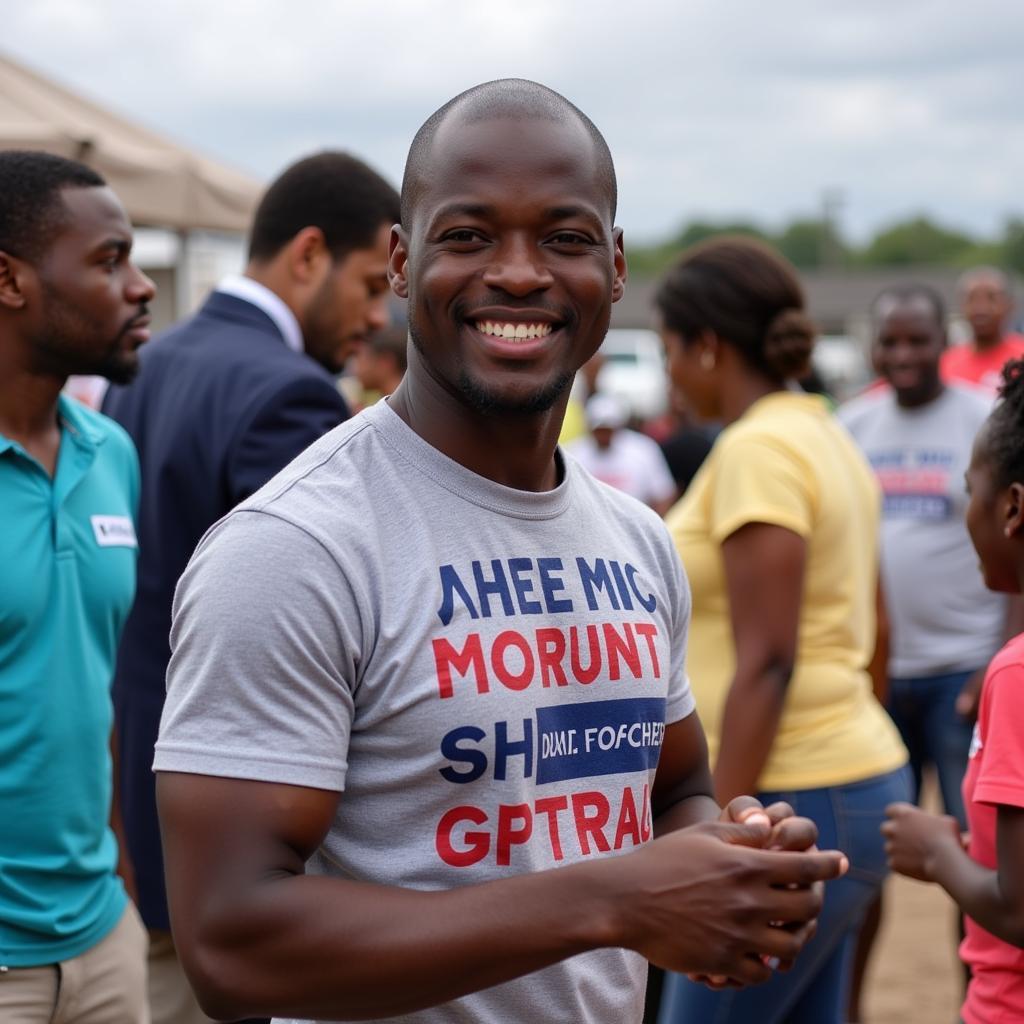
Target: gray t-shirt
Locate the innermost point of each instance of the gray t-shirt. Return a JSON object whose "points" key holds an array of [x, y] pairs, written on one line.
{"points": [[486, 673], [942, 617]]}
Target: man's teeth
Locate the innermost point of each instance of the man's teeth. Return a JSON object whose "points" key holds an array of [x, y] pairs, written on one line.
{"points": [[514, 332]]}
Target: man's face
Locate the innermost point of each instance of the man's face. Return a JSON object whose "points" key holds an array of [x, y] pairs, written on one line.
{"points": [[986, 306], [692, 381], [511, 263], [349, 305], [907, 349], [370, 368], [89, 314]]}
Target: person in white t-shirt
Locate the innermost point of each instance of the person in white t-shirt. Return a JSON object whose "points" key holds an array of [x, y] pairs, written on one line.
{"points": [[623, 458], [945, 626]]}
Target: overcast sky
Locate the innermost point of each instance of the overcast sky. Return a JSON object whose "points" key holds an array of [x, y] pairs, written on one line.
{"points": [[712, 108]]}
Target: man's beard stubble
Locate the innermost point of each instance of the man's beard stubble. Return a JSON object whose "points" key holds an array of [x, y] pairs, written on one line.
{"points": [[57, 353], [484, 400]]}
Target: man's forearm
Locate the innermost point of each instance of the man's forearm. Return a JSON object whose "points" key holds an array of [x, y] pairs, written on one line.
{"points": [[700, 899], [383, 951], [690, 811]]}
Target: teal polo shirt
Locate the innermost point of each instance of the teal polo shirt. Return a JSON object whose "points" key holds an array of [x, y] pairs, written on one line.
{"points": [[67, 579]]}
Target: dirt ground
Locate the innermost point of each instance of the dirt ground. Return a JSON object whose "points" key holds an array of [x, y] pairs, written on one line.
{"points": [[914, 976]]}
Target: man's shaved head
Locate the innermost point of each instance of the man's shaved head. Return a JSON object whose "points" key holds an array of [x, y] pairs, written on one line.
{"points": [[992, 276], [514, 98]]}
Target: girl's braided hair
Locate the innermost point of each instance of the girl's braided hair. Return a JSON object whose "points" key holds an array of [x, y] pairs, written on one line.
{"points": [[1006, 427]]}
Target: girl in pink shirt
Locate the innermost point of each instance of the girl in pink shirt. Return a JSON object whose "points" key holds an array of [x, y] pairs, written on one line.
{"points": [[984, 873]]}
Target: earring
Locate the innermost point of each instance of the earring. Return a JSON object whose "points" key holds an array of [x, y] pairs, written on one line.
{"points": [[707, 360]]}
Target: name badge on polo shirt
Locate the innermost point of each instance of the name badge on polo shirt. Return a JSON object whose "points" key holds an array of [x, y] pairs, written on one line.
{"points": [[114, 531]]}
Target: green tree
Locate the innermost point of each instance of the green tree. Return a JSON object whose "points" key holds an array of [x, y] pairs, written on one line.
{"points": [[700, 231], [811, 243], [988, 253], [650, 261], [919, 240], [1013, 245]]}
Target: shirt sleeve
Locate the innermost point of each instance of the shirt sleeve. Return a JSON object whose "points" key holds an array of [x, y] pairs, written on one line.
{"points": [[759, 481], [680, 702], [264, 658], [1001, 776]]}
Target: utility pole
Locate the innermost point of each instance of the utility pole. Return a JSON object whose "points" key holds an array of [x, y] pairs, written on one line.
{"points": [[832, 201]]}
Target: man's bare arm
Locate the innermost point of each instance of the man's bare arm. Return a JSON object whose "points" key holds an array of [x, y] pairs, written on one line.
{"points": [[682, 792], [258, 936]]}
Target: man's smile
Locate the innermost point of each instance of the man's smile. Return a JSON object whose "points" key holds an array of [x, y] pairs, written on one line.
{"points": [[513, 330]]}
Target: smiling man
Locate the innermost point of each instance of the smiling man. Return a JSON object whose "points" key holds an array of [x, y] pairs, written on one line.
{"points": [[945, 626], [986, 299], [71, 301], [427, 707]]}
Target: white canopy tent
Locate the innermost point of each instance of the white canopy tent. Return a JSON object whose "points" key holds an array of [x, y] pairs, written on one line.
{"points": [[160, 183]]}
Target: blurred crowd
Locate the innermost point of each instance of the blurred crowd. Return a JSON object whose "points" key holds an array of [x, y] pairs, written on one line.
{"points": [[840, 637]]}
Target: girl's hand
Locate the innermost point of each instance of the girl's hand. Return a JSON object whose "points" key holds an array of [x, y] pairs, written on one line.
{"points": [[913, 837]]}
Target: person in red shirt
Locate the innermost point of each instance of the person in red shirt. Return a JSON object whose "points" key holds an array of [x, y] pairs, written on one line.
{"points": [[987, 303], [984, 873]]}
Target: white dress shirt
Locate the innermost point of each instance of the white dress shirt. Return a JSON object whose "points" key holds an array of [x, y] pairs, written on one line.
{"points": [[272, 304]]}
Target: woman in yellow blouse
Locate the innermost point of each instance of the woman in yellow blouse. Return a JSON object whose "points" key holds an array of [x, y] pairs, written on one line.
{"points": [[778, 534]]}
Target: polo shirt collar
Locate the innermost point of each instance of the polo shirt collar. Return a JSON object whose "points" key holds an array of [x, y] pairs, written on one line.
{"points": [[73, 422]]}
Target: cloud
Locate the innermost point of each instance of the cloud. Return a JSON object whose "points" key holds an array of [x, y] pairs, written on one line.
{"points": [[710, 108]]}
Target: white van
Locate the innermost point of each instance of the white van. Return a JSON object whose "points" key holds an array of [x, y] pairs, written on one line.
{"points": [[634, 371]]}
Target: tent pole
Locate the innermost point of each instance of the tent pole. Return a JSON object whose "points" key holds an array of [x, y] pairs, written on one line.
{"points": [[183, 276]]}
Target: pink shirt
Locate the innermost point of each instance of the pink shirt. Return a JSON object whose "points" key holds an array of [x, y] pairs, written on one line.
{"points": [[962, 362], [995, 775]]}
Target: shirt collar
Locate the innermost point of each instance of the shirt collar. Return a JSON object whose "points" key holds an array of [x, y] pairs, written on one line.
{"points": [[74, 422], [271, 303], [74, 418]]}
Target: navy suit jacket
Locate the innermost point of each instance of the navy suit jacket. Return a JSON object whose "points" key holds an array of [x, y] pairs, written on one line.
{"points": [[219, 406]]}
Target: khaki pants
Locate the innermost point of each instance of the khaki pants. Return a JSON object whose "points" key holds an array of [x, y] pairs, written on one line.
{"points": [[171, 1000], [103, 985]]}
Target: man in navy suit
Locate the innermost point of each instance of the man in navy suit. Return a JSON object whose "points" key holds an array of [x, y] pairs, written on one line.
{"points": [[222, 402]]}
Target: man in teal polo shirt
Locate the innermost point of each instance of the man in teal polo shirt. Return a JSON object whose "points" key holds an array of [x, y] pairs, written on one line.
{"points": [[72, 949]]}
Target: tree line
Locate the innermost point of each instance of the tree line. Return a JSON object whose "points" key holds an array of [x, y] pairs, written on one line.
{"points": [[814, 243]]}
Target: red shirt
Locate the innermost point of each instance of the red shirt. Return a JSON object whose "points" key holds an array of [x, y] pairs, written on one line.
{"points": [[995, 775], [964, 362]]}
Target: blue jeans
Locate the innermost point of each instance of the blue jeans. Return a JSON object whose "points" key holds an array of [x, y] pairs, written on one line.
{"points": [[815, 990], [924, 710]]}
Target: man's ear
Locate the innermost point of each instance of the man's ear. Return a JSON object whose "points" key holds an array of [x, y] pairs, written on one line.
{"points": [[13, 279], [398, 261], [621, 270], [307, 255], [1013, 523]]}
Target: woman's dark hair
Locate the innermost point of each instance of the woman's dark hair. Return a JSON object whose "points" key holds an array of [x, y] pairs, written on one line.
{"points": [[1006, 427], [749, 296]]}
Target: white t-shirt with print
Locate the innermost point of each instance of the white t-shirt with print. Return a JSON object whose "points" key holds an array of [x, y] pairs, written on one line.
{"points": [[484, 673]]}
